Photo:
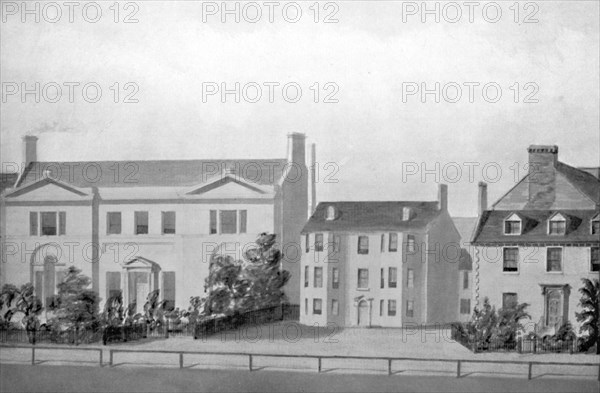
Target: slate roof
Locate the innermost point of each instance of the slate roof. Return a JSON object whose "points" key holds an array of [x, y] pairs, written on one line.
{"points": [[371, 216], [584, 181], [7, 180], [157, 173], [490, 229]]}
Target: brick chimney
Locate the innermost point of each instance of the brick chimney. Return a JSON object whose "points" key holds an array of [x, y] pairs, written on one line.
{"points": [[542, 175], [443, 197], [29, 149], [482, 198]]}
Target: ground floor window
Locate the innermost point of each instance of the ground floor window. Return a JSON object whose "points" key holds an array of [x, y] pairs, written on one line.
{"points": [[509, 299], [465, 306], [335, 307], [595, 259], [391, 308], [410, 308], [317, 306]]}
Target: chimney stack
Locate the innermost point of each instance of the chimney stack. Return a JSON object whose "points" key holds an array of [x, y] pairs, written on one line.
{"points": [[482, 198], [297, 149], [29, 149], [313, 180], [542, 175], [443, 197]]}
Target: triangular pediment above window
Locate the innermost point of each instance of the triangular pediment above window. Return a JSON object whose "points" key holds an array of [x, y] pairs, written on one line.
{"points": [[558, 217], [228, 186], [141, 263], [513, 217], [48, 189]]}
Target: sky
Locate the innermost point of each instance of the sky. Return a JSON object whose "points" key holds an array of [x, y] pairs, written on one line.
{"points": [[376, 136]]}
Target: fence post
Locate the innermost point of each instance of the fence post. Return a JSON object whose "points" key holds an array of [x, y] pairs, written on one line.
{"points": [[390, 366], [458, 369], [250, 362], [319, 367], [33, 356], [180, 359], [530, 370]]}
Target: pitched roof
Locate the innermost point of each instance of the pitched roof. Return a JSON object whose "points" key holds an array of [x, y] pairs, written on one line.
{"points": [[490, 228], [371, 216], [465, 227], [157, 173], [584, 181]]}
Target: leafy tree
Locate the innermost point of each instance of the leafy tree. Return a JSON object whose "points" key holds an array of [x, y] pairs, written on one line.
{"points": [[21, 300], [509, 322], [77, 305], [483, 323], [590, 316], [113, 310], [226, 285]]}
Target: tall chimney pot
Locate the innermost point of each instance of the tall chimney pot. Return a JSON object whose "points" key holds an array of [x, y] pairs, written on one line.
{"points": [[443, 197], [482, 198]]}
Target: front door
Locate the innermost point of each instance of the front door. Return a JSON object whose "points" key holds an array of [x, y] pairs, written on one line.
{"points": [[142, 290], [553, 307], [363, 314]]}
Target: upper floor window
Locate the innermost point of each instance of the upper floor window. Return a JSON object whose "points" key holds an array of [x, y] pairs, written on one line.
{"points": [[554, 259], [512, 225], [335, 278], [330, 214], [47, 223], [228, 221], [595, 259], [318, 242], [213, 222], [307, 242], [113, 223], [168, 223], [410, 278], [336, 243], [465, 306], [243, 220], [363, 244], [141, 223], [595, 225], [382, 242], [318, 277], [410, 243], [363, 278], [306, 270], [406, 213], [392, 277], [393, 242], [510, 259], [557, 225], [382, 279]]}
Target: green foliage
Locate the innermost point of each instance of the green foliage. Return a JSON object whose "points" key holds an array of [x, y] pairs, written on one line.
{"points": [[590, 316], [256, 282], [509, 322], [113, 311], [21, 300], [77, 305]]}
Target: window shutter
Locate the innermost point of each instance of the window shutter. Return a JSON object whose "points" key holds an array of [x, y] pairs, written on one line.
{"points": [[33, 224], [62, 223], [169, 290]]}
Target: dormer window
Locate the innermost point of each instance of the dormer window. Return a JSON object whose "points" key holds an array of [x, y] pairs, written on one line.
{"points": [[512, 225], [330, 213], [557, 225], [406, 213], [596, 225]]}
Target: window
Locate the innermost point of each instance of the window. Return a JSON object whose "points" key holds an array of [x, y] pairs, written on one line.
{"points": [[141, 223], [363, 278], [512, 226], [509, 299], [405, 213], [336, 243], [62, 223], [510, 260], [391, 308], [410, 243], [330, 215], [595, 226], [317, 306], [595, 259], [318, 279], [393, 246], [363, 244], [392, 277], [33, 223], [307, 242], [48, 223], [381, 303], [168, 223], [554, 259], [318, 242], [306, 306], [113, 223], [410, 308], [169, 290], [465, 306], [557, 225], [213, 222], [306, 270], [382, 242], [335, 278], [382, 279], [243, 221], [410, 278], [335, 307], [465, 280], [228, 221], [113, 284]]}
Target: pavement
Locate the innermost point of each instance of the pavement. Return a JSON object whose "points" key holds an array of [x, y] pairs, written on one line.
{"points": [[22, 378]]}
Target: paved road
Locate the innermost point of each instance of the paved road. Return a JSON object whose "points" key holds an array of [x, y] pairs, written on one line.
{"points": [[19, 378]]}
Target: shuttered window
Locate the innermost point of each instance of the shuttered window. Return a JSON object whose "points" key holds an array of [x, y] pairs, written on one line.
{"points": [[113, 284]]}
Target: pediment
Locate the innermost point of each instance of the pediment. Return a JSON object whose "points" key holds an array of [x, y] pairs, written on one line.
{"points": [[47, 190], [141, 263], [558, 217], [514, 217], [228, 187]]}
